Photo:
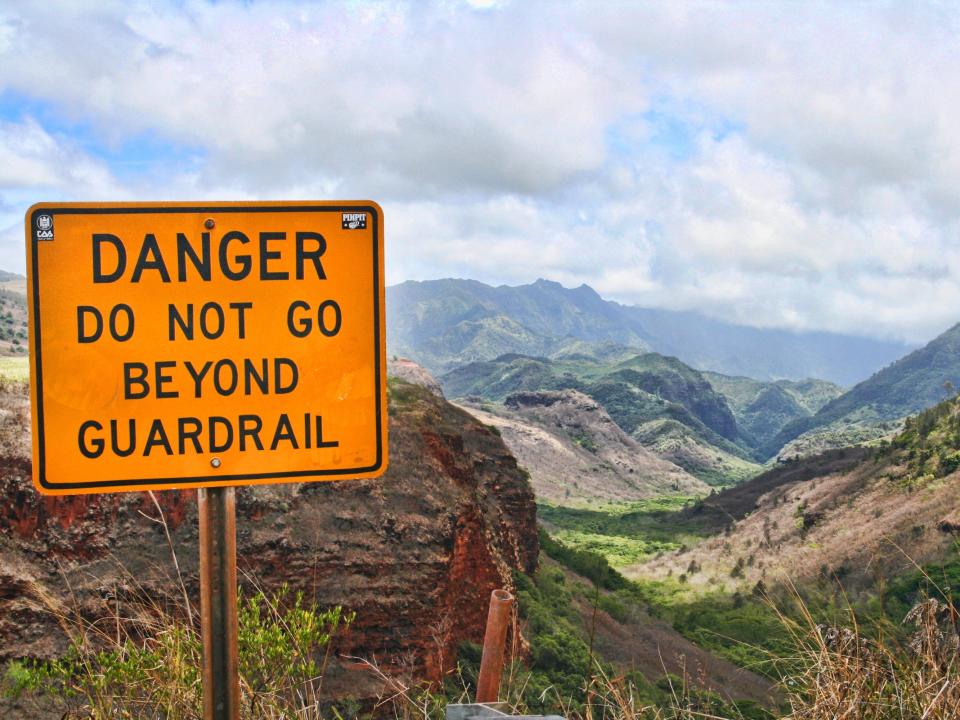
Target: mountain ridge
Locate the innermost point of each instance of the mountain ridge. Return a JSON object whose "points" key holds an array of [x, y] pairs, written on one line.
{"points": [[449, 322], [913, 383], [662, 403]]}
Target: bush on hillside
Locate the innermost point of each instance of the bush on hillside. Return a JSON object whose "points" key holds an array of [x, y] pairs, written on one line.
{"points": [[148, 663]]}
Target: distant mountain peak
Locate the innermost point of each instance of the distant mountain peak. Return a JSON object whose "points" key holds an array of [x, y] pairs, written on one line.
{"points": [[443, 324]]}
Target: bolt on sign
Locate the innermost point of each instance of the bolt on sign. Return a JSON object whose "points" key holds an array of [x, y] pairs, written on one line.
{"points": [[196, 345]]}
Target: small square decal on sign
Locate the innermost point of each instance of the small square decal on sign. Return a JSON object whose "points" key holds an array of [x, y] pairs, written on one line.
{"points": [[354, 221]]}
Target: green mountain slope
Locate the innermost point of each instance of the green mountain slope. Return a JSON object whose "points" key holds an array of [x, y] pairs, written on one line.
{"points": [[763, 409], [576, 454], [632, 391], [918, 381], [445, 323], [853, 514], [716, 463], [666, 405]]}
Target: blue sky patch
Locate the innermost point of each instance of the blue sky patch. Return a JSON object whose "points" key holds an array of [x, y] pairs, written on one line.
{"points": [[145, 153]]}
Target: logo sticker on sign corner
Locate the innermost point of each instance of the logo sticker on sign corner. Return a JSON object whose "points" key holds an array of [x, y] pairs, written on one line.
{"points": [[44, 227], [354, 221]]}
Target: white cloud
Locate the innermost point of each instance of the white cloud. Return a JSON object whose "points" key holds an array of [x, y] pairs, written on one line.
{"points": [[36, 165], [809, 181]]}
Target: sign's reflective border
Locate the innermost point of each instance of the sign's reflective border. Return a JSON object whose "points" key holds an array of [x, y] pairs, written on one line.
{"points": [[53, 211]]}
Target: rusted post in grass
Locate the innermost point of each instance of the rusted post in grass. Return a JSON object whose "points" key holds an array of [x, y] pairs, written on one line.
{"points": [[494, 640], [218, 602]]}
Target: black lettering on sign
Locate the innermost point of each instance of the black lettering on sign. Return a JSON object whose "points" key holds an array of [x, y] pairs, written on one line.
{"points": [[99, 276], [266, 255], [250, 427], [115, 438], [157, 436], [150, 259], [192, 259], [88, 313], [224, 445], [192, 434], [201, 263], [135, 386], [329, 318], [284, 433], [85, 335], [314, 254], [198, 375], [162, 379], [212, 320], [90, 448], [243, 261]]}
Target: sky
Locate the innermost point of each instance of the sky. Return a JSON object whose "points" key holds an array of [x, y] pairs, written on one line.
{"points": [[791, 165]]}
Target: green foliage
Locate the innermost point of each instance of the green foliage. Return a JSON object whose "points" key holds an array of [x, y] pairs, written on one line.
{"points": [[278, 640], [560, 656], [591, 565], [929, 444], [561, 678], [748, 632], [153, 670], [586, 443], [401, 393], [626, 532], [937, 580]]}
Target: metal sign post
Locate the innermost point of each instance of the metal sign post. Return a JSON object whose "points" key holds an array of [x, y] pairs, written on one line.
{"points": [[218, 602]]}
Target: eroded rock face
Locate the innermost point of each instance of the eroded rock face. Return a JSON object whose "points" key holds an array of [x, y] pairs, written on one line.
{"points": [[414, 374], [415, 553], [576, 453]]}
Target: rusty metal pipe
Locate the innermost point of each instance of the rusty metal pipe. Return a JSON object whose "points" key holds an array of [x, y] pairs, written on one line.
{"points": [[494, 642], [218, 602]]}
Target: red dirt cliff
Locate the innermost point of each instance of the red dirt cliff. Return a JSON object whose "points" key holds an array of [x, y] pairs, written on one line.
{"points": [[416, 553]]}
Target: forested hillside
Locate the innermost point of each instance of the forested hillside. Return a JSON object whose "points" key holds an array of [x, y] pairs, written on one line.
{"points": [[911, 384]]}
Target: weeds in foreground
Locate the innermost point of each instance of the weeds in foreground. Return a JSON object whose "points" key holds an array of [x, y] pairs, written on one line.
{"points": [[146, 664], [151, 670], [908, 673]]}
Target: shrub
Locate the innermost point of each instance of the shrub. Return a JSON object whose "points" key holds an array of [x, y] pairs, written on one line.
{"points": [[152, 668]]}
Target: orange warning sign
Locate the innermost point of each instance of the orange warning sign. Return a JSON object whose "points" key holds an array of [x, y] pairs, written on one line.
{"points": [[202, 344]]}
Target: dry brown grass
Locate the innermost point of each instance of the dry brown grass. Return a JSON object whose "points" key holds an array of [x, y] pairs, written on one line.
{"points": [[848, 674]]}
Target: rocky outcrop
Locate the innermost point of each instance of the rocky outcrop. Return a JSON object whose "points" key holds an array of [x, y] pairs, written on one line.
{"points": [[416, 553], [950, 524], [409, 371], [576, 453]]}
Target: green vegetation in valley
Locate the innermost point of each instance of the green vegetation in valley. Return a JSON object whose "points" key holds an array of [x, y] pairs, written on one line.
{"points": [[563, 670], [624, 533], [741, 628]]}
